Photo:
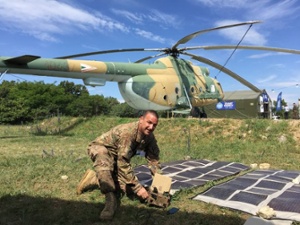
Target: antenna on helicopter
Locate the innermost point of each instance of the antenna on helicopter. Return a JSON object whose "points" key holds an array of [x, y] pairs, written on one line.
{"points": [[234, 50]]}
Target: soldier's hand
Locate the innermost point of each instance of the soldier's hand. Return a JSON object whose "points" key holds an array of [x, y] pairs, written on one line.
{"points": [[142, 193]]}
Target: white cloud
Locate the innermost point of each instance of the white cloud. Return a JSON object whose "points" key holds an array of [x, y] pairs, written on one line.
{"points": [[263, 9], [267, 79], [274, 14], [284, 84], [160, 18], [150, 36], [163, 18], [224, 3], [263, 55], [133, 17], [278, 65], [45, 19], [268, 10], [236, 33]]}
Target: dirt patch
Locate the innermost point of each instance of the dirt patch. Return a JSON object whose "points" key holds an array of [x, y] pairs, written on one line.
{"points": [[234, 124], [295, 129]]}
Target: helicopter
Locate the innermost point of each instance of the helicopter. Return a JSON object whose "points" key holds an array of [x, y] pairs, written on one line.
{"points": [[169, 83]]}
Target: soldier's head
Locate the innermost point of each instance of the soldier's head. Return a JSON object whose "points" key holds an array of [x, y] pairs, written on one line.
{"points": [[148, 122]]}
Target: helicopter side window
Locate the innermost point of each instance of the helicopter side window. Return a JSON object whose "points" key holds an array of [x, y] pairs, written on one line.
{"points": [[212, 88]]}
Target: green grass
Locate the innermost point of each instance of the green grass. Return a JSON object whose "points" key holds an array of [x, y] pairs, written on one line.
{"points": [[33, 159]]}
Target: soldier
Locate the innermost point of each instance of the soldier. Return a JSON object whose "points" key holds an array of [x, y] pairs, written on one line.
{"points": [[295, 111], [111, 154], [286, 112]]}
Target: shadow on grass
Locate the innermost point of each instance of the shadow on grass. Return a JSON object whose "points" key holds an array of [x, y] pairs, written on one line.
{"points": [[23, 209], [13, 136], [57, 128]]}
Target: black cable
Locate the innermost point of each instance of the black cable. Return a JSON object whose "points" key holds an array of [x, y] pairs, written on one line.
{"points": [[2, 77], [234, 50], [19, 77]]}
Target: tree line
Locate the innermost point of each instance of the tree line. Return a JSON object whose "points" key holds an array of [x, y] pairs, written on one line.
{"points": [[23, 102]]}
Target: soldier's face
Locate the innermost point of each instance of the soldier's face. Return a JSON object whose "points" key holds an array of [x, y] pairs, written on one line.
{"points": [[147, 123]]}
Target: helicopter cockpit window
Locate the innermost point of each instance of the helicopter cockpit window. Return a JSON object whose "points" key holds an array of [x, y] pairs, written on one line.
{"points": [[192, 89]]}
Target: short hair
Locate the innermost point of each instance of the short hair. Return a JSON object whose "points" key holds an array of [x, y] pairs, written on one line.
{"points": [[153, 112]]}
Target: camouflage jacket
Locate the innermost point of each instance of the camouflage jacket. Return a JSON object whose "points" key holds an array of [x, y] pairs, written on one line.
{"points": [[122, 142]]}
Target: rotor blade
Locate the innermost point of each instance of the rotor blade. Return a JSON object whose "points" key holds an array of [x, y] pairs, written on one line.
{"points": [[195, 34], [225, 70], [111, 51], [150, 57], [249, 47]]}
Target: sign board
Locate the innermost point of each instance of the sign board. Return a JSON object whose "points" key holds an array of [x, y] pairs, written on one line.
{"points": [[226, 105]]}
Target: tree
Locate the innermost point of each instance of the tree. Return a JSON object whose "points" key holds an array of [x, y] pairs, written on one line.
{"points": [[72, 89], [28, 101], [279, 113], [123, 110], [80, 107], [13, 109]]}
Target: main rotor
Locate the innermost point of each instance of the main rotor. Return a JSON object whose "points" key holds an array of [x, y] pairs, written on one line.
{"points": [[175, 51]]}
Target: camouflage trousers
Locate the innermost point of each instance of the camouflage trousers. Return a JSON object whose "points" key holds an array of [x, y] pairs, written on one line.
{"points": [[106, 169], [101, 158]]}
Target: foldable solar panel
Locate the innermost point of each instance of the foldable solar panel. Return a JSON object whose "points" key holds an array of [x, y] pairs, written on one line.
{"points": [[252, 191], [191, 173]]}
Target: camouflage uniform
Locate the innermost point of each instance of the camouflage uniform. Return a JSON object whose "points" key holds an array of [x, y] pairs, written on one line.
{"points": [[295, 111], [113, 150]]}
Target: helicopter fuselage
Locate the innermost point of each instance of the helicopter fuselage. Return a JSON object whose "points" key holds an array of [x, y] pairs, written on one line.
{"points": [[168, 83]]}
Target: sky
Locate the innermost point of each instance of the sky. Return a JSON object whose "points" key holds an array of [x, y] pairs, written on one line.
{"points": [[50, 28]]}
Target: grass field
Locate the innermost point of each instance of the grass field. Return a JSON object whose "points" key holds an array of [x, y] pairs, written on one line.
{"points": [[34, 158]]}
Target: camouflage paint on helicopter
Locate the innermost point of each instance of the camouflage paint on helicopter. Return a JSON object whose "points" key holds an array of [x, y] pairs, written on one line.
{"points": [[168, 83]]}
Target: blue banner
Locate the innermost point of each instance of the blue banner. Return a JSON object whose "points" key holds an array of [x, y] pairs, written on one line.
{"points": [[278, 105], [226, 105], [265, 97]]}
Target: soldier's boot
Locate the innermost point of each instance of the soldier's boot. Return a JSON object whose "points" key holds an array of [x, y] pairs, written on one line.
{"points": [[110, 206], [88, 182], [108, 188]]}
